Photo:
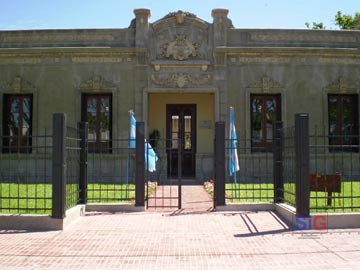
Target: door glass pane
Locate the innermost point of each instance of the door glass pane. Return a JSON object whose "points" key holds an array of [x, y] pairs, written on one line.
{"points": [[174, 130], [333, 111], [14, 119], [105, 118], [347, 128], [26, 116], [270, 116], [91, 117], [187, 134], [256, 111]]}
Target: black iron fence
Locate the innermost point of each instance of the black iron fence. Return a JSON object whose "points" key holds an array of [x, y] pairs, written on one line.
{"points": [[163, 183], [254, 180], [72, 148], [334, 171], [51, 173], [25, 174], [287, 190], [111, 171], [318, 171]]}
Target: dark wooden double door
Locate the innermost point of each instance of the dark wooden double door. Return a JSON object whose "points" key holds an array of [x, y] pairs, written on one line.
{"points": [[181, 134]]}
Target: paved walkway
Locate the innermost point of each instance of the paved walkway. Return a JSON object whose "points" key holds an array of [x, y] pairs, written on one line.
{"points": [[194, 199], [179, 240]]}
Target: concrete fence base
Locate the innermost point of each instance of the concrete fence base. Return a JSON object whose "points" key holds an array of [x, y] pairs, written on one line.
{"points": [[288, 214], [40, 222]]}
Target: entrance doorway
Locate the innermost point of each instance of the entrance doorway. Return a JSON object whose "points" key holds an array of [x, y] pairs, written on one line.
{"points": [[181, 128]]}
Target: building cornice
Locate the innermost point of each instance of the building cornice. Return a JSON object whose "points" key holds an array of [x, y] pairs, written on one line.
{"points": [[287, 52], [60, 52]]}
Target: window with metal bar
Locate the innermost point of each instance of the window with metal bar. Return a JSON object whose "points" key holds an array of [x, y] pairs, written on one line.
{"points": [[343, 122], [97, 111], [17, 123], [264, 110]]}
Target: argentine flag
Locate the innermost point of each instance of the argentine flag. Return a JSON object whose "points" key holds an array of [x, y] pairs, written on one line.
{"points": [[150, 158], [233, 156], [150, 155], [132, 141]]}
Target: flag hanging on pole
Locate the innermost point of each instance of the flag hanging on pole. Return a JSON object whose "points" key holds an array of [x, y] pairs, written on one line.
{"points": [[233, 156], [150, 158], [150, 155], [132, 141]]}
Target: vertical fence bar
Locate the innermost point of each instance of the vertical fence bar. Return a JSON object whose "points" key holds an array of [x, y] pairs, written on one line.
{"points": [[219, 185], [302, 164], [278, 162], [179, 171], [140, 164], [83, 129], [59, 166]]}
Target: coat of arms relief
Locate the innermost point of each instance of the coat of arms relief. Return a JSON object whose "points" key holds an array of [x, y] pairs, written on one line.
{"points": [[180, 49]]}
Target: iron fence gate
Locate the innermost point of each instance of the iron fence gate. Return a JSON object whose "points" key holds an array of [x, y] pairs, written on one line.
{"points": [[163, 183]]}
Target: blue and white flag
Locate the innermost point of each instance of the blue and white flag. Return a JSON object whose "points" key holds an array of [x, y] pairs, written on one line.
{"points": [[132, 141], [150, 158], [233, 156]]}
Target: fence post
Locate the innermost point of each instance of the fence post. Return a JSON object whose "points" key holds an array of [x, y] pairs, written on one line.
{"points": [[302, 154], [83, 129], [219, 185], [140, 164], [58, 165], [278, 162], [179, 171]]}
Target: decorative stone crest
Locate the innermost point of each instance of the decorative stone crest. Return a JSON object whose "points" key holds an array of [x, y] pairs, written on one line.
{"points": [[342, 85], [96, 83], [19, 85], [180, 49], [180, 16], [266, 84], [180, 80]]}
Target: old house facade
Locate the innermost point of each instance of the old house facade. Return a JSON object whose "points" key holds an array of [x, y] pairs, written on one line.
{"points": [[179, 75]]}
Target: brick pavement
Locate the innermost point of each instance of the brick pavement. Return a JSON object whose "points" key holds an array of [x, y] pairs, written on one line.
{"points": [[179, 240], [194, 199]]}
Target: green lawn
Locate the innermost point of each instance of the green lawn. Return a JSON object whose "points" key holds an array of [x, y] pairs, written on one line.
{"points": [[346, 201], [37, 198], [236, 193], [21, 199]]}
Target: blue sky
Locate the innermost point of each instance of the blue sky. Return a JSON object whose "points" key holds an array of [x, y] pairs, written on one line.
{"points": [[65, 14]]}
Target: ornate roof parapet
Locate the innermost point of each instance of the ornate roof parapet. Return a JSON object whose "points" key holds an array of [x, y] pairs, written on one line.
{"points": [[180, 16]]}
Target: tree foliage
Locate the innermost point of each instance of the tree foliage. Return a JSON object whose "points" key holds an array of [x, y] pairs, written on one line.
{"points": [[343, 21], [348, 22], [315, 25]]}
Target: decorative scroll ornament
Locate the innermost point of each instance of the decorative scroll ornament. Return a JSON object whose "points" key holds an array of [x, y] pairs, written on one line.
{"points": [[96, 83], [180, 16], [180, 80], [266, 84], [180, 49], [19, 85], [342, 85]]}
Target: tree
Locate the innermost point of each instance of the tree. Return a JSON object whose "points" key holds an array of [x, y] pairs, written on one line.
{"points": [[343, 21], [348, 22], [315, 25]]}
